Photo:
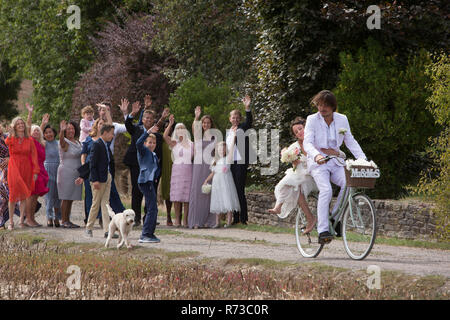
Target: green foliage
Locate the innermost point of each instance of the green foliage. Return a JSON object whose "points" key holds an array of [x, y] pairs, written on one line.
{"points": [[299, 42], [435, 182], [385, 103], [9, 86], [212, 37], [36, 39], [215, 101]]}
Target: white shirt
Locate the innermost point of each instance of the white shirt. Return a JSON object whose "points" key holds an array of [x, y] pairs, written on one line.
{"points": [[230, 142], [118, 128]]}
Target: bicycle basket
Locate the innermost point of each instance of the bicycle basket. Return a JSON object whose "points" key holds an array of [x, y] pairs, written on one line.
{"points": [[361, 176]]}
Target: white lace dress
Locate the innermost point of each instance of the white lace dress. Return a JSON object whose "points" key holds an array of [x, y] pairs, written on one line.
{"points": [[288, 189], [224, 196]]}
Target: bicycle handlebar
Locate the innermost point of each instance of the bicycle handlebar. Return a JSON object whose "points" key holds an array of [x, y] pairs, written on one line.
{"points": [[329, 157]]}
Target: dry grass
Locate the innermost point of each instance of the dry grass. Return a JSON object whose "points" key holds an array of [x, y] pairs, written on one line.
{"points": [[33, 268]]}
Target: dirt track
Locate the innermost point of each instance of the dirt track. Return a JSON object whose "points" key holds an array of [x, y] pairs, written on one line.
{"points": [[237, 243]]}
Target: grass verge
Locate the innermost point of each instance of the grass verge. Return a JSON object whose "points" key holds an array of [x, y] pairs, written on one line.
{"points": [[41, 272], [379, 240]]}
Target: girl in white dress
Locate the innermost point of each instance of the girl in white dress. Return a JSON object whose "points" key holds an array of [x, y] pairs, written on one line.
{"points": [[297, 183], [224, 198]]}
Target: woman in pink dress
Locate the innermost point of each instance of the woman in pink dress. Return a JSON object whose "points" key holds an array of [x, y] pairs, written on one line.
{"points": [[180, 181], [40, 185]]}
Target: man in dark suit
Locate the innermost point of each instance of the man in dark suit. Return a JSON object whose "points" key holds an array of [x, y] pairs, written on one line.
{"points": [[131, 160], [243, 155], [101, 174]]}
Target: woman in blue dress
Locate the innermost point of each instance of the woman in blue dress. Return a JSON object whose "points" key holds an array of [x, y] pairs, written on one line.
{"points": [[51, 164]]}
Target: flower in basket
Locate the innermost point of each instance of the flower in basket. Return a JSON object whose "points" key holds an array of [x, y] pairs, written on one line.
{"points": [[360, 162], [206, 188], [342, 130]]}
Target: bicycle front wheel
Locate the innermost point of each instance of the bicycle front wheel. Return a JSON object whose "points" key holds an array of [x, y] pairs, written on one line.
{"points": [[307, 244], [359, 226]]}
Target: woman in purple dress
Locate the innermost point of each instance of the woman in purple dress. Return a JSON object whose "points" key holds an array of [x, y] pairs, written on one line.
{"points": [[199, 202], [180, 182]]}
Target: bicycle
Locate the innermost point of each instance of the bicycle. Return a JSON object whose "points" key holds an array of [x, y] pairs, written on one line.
{"points": [[357, 216]]}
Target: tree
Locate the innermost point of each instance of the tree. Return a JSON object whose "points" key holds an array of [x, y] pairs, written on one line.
{"points": [[435, 181], [126, 66], [36, 39], [385, 103], [299, 42], [212, 37], [216, 101], [9, 87]]}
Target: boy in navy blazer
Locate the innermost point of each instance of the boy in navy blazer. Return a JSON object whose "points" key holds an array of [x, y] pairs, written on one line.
{"points": [[149, 173], [101, 173]]}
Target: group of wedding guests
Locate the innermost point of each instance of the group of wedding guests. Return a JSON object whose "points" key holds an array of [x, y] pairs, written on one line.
{"points": [[168, 159], [34, 163]]}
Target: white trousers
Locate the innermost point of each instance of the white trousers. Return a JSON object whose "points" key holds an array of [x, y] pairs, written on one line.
{"points": [[322, 176]]}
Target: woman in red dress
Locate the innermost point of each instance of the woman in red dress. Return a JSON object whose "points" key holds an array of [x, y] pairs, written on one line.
{"points": [[23, 169]]}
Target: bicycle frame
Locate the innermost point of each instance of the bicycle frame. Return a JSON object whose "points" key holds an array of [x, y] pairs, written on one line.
{"points": [[348, 194]]}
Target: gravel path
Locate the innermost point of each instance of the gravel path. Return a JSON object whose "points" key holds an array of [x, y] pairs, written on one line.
{"points": [[237, 243]]}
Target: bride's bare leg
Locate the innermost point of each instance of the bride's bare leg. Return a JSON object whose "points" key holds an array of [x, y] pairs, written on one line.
{"points": [[309, 216], [276, 209]]}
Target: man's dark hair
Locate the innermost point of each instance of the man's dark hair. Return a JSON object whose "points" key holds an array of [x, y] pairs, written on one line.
{"points": [[106, 128], [325, 97]]}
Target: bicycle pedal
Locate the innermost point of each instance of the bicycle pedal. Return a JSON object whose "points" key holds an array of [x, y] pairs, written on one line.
{"points": [[325, 241]]}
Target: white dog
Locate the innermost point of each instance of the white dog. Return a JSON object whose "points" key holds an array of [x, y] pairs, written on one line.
{"points": [[123, 222]]}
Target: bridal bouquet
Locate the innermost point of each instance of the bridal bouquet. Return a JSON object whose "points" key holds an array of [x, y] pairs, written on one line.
{"points": [[289, 156], [206, 188]]}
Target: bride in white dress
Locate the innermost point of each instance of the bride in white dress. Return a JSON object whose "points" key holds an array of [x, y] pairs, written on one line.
{"points": [[296, 184]]}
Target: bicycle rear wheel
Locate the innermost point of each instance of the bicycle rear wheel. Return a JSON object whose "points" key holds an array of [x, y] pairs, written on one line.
{"points": [[307, 244], [359, 227]]}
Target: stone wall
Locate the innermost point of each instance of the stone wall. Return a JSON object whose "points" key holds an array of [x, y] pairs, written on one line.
{"points": [[396, 218]]}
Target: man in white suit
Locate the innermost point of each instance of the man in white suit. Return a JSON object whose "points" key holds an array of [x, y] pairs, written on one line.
{"points": [[324, 133]]}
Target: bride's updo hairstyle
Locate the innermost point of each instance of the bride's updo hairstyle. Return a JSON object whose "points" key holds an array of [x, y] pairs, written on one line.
{"points": [[296, 121]]}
